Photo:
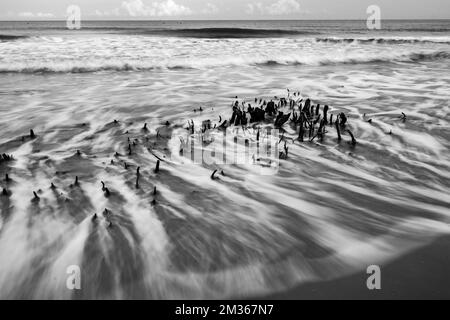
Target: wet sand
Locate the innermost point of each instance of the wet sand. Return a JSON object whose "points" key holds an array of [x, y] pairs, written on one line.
{"points": [[131, 223], [421, 274]]}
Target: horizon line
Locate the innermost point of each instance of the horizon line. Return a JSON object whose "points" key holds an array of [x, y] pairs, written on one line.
{"points": [[160, 20]]}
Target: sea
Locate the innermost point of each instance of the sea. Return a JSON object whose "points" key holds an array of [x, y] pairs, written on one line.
{"points": [[330, 209]]}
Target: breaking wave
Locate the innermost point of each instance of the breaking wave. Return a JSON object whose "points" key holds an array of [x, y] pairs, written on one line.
{"points": [[405, 40], [364, 58], [6, 37], [99, 65], [220, 33]]}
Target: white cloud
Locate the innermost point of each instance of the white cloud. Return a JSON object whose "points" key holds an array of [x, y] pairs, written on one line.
{"points": [[26, 14], [254, 8], [114, 12], [281, 7], [210, 9], [137, 8], [35, 15]]}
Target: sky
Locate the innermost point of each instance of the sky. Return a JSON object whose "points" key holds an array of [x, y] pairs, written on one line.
{"points": [[222, 9]]}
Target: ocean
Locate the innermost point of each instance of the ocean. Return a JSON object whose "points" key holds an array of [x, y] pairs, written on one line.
{"points": [[329, 210]]}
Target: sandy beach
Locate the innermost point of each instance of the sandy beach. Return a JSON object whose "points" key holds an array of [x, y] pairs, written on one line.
{"points": [[419, 275]]}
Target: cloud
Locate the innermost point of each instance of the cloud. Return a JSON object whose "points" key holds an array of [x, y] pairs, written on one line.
{"points": [[114, 12], [253, 8], [210, 9], [167, 8], [35, 15], [279, 8], [284, 7]]}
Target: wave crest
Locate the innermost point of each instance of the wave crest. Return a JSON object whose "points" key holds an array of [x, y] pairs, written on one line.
{"points": [[405, 40], [220, 33], [7, 37], [88, 66], [362, 58]]}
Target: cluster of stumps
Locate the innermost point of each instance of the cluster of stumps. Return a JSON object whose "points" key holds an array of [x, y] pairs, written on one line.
{"points": [[6, 158], [309, 120]]}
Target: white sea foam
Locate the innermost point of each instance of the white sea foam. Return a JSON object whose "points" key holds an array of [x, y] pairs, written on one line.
{"points": [[113, 53]]}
